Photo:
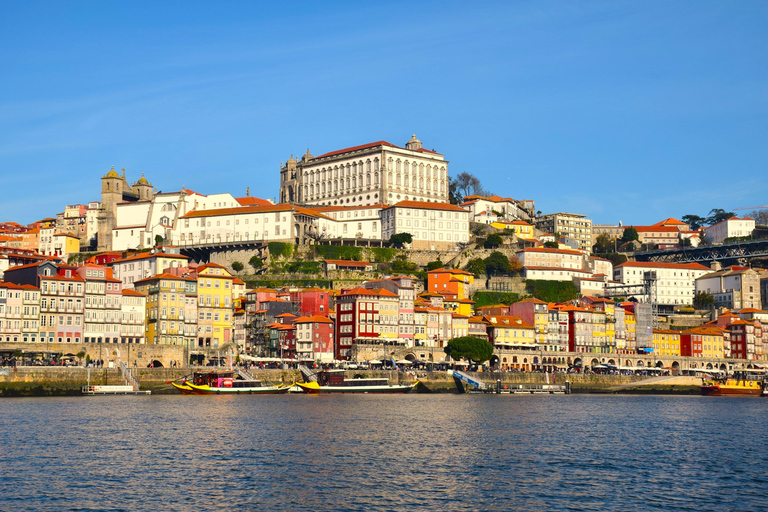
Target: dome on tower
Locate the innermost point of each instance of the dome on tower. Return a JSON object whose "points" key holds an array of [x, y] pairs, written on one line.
{"points": [[142, 180], [112, 173]]}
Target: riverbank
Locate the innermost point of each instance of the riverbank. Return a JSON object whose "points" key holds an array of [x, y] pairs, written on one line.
{"points": [[64, 381]]}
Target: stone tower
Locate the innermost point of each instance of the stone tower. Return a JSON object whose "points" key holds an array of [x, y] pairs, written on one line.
{"points": [[112, 186], [143, 189], [289, 182]]}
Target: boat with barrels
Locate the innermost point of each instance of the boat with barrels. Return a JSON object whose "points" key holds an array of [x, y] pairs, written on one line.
{"points": [[336, 381], [231, 382]]}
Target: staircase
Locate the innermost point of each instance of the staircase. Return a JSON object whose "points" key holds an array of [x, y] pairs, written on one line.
{"points": [[309, 375], [128, 377]]}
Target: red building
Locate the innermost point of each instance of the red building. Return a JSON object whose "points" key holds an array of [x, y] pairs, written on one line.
{"points": [[314, 338], [312, 301], [357, 311]]}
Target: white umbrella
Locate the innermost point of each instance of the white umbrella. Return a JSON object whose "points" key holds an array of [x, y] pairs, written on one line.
{"points": [[374, 361], [404, 361]]}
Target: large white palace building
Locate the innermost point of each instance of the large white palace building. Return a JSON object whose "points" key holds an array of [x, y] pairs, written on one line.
{"points": [[375, 173]]}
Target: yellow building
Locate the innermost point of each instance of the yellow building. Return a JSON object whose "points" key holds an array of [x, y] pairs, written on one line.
{"points": [[459, 325], [165, 305], [509, 332], [666, 342], [214, 306], [521, 228]]}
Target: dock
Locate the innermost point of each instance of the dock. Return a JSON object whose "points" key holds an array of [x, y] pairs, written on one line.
{"points": [[114, 390]]}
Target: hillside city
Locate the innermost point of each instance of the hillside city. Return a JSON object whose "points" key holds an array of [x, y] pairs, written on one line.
{"points": [[374, 251]]}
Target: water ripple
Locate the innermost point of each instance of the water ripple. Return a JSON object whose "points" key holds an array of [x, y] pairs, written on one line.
{"points": [[360, 453]]}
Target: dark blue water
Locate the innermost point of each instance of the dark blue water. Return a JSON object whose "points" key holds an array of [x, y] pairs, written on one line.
{"points": [[405, 452]]}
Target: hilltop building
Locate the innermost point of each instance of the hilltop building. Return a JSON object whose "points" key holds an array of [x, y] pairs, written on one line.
{"points": [[378, 172]]}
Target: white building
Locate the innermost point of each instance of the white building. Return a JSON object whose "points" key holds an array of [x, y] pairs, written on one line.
{"points": [[147, 264], [378, 172], [139, 223], [675, 281], [733, 287], [351, 221], [729, 228], [434, 226], [571, 225], [133, 311], [495, 208]]}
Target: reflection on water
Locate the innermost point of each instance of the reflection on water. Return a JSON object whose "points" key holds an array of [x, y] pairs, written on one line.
{"points": [[378, 452]]}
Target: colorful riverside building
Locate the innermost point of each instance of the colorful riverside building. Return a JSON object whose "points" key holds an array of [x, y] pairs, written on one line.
{"points": [[165, 307], [214, 305], [505, 331], [62, 297], [103, 305], [406, 293], [536, 313], [666, 342], [702, 342], [133, 310], [19, 313], [365, 316], [314, 338]]}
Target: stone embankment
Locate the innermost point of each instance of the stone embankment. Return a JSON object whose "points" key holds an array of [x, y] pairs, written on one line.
{"points": [[61, 381]]}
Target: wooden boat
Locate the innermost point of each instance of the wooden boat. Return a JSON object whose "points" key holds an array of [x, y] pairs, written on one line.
{"points": [[219, 382], [735, 385], [335, 381]]}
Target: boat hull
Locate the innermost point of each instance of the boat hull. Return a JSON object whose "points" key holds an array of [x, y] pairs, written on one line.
{"points": [[188, 388], [747, 388], [313, 388]]}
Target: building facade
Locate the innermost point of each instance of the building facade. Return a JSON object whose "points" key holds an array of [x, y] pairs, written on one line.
{"points": [[378, 172]]}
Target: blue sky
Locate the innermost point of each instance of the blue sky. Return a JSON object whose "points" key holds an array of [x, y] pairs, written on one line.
{"points": [[631, 111]]}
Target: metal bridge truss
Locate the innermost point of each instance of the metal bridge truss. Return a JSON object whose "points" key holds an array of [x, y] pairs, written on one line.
{"points": [[730, 254]]}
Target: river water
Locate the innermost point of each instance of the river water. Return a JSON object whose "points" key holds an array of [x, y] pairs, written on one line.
{"points": [[384, 452]]}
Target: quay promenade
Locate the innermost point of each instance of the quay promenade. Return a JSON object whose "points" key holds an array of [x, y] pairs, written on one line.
{"points": [[63, 380]]}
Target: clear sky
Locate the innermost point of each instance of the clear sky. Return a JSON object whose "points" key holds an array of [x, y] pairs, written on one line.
{"points": [[631, 111]]}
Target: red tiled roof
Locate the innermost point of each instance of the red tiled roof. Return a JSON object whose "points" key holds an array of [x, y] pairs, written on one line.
{"points": [[550, 251], [358, 148], [313, 319], [250, 201], [424, 205], [348, 263], [649, 264]]}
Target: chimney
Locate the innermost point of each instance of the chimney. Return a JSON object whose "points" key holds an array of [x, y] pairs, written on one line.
{"points": [[715, 265]]}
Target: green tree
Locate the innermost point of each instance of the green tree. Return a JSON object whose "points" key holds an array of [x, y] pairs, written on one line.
{"points": [[603, 243], [718, 215], [401, 239], [629, 235], [256, 262], [493, 241], [496, 264], [476, 266], [158, 240], [694, 221], [434, 265], [704, 300], [237, 266], [551, 245], [401, 264], [474, 349]]}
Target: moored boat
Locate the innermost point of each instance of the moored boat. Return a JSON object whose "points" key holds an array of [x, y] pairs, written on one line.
{"points": [[738, 384], [335, 381], [219, 382]]}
